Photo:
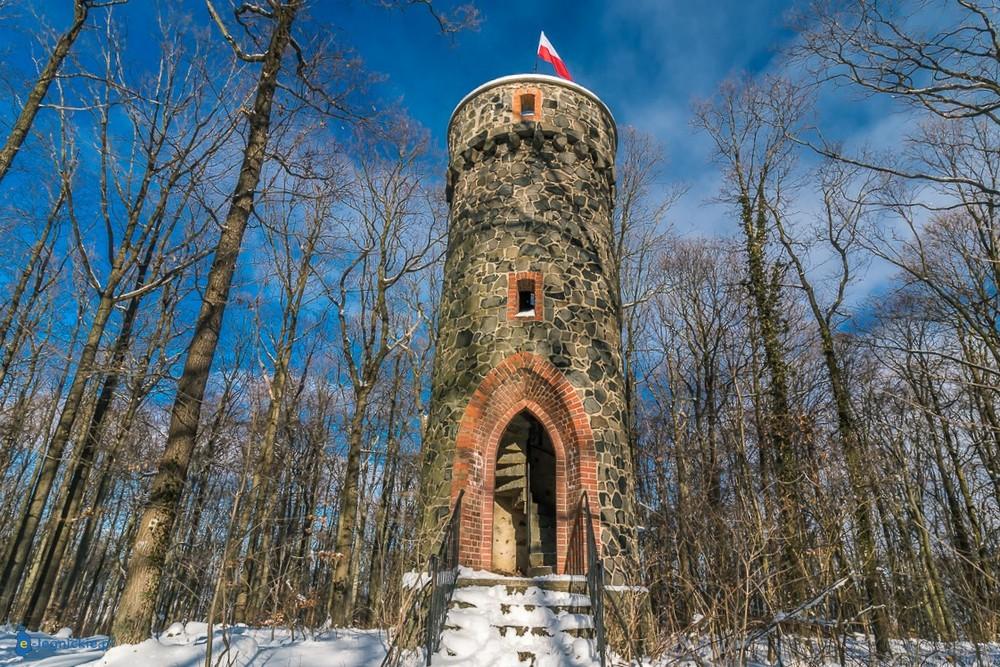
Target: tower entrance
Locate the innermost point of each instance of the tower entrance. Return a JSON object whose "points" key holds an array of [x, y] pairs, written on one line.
{"points": [[524, 499]]}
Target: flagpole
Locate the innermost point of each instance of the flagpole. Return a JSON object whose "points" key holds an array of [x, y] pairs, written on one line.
{"points": [[535, 70]]}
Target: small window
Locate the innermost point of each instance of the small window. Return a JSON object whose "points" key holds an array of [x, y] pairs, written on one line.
{"points": [[526, 298], [527, 105]]}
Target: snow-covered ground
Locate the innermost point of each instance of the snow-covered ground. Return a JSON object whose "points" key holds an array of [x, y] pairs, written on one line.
{"points": [[856, 651], [252, 647], [184, 646]]}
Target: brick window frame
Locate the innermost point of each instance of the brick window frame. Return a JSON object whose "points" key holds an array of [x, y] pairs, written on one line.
{"points": [[518, 281], [522, 382], [516, 104]]}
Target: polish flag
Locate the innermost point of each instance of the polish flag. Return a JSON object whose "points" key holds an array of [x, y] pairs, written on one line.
{"points": [[547, 52]]}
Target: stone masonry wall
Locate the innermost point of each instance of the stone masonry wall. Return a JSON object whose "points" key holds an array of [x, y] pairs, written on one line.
{"points": [[532, 197]]}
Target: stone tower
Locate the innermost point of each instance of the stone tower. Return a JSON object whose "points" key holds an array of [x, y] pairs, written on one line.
{"points": [[527, 407]]}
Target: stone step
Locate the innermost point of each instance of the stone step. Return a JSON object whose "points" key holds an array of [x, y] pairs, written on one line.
{"points": [[515, 484], [521, 638], [528, 647], [584, 633], [576, 625], [511, 458], [562, 584], [491, 593], [535, 621], [572, 607], [510, 471], [512, 447], [523, 630]]}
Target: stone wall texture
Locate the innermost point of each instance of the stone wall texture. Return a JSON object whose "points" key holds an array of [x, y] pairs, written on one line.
{"points": [[530, 196]]}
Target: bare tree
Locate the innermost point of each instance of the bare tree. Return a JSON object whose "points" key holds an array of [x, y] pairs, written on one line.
{"points": [[294, 244], [639, 234], [937, 57], [134, 614], [180, 132], [748, 123], [395, 232], [21, 127], [841, 216]]}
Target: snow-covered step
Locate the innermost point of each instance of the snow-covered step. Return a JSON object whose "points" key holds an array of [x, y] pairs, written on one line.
{"points": [[556, 583], [496, 620], [573, 603]]}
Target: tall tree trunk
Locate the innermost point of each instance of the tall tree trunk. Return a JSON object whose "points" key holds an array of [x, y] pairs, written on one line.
{"points": [[134, 615], [14, 300], [340, 606], [27, 116], [778, 423], [380, 546], [54, 613], [20, 546], [16, 555], [60, 598], [851, 443], [50, 560]]}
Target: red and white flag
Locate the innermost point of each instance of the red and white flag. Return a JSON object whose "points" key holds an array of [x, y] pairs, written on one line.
{"points": [[547, 52]]}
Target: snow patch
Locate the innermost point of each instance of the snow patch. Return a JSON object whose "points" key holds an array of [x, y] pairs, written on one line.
{"points": [[627, 589], [469, 573], [416, 579], [184, 644]]}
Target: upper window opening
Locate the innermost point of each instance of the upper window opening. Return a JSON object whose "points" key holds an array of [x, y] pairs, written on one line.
{"points": [[527, 105]]}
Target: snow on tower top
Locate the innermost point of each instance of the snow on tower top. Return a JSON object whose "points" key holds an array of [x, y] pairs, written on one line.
{"points": [[532, 78]]}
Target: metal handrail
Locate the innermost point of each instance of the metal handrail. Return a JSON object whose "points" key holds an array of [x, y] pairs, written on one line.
{"points": [[444, 575], [443, 569], [582, 559]]}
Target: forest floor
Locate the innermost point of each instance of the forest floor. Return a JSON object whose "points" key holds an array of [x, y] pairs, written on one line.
{"points": [[853, 650], [184, 646]]}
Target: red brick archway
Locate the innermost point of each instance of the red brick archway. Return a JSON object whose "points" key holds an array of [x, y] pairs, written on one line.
{"points": [[523, 381]]}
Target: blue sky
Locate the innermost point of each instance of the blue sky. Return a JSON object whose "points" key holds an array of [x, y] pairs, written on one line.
{"points": [[648, 60]]}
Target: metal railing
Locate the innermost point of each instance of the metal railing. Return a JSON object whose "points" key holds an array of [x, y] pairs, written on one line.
{"points": [[433, 598], [443, 568], [582, 559]]}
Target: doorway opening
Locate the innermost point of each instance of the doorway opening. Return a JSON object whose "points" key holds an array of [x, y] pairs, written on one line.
{"points": [[524, 499]]}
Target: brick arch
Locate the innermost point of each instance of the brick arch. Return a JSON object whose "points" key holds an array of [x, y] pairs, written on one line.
{"points": [[521, 382]]}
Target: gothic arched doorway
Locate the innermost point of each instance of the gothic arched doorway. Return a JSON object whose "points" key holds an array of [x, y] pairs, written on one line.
{"points": [[525, 385], [524, 499]]}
